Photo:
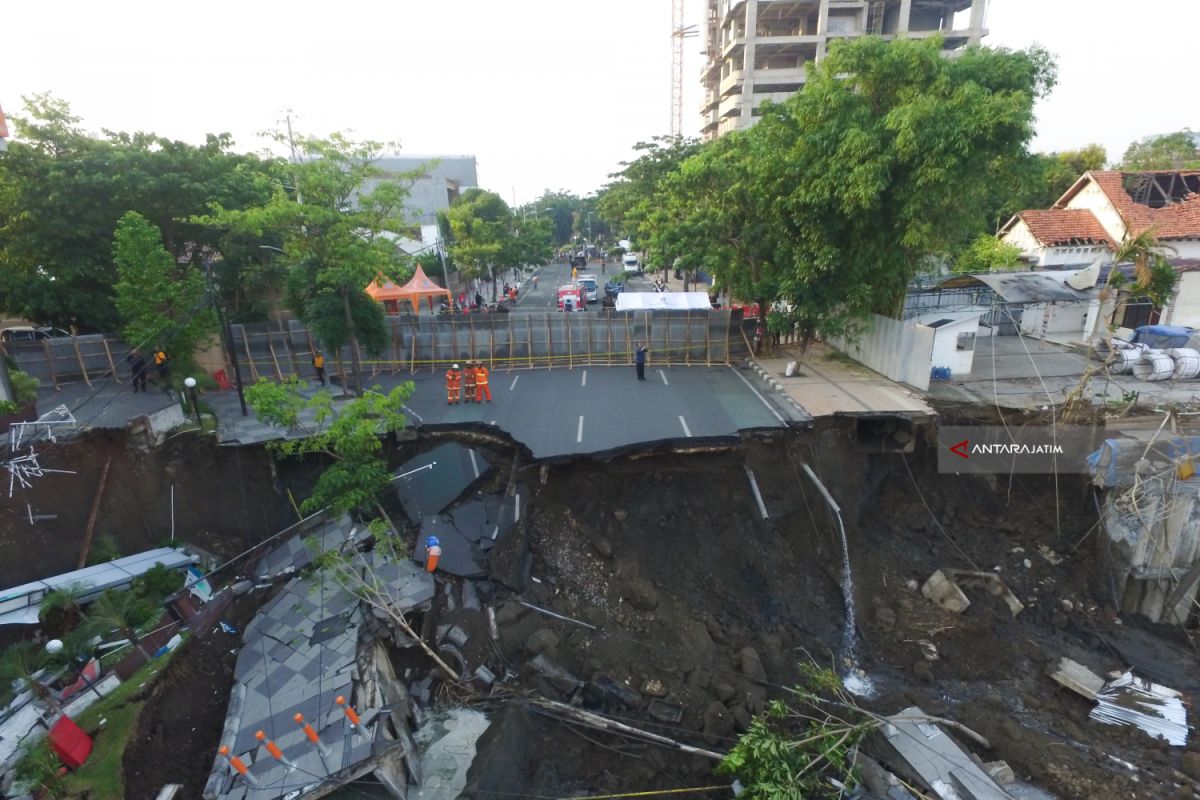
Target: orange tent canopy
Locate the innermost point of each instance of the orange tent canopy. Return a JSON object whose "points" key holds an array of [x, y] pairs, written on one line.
{"points": [[420, 286]]}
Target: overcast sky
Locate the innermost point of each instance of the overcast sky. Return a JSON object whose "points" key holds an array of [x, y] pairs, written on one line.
{"points": [[546, 93]]}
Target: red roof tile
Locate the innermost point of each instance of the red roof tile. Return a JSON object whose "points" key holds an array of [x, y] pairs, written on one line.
{"points": [[1178, 220], [1065, 226]]}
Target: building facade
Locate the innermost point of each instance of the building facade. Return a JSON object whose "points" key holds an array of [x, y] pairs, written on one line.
{"points": [[441, 180], [757, 49]]}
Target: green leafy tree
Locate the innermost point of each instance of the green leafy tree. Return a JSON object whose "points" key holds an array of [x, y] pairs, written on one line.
{"points": [[350, 437], [122, 612], [842, 194], [20, 664], [988, 254], [159, 300], [62, 192], [481, 232], [1180, 150], [336, 225]]}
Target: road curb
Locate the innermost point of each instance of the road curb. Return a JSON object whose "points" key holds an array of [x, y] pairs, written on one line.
{"points": [[774, 383]]}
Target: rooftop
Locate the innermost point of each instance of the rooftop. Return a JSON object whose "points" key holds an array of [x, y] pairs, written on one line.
{"points": [[1063, 226]]}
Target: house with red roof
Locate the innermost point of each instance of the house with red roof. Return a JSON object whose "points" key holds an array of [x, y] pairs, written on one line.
{"points": [[1105, 207]]}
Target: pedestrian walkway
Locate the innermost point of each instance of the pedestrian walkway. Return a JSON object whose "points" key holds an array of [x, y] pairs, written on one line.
{"points": [[827, 383]]}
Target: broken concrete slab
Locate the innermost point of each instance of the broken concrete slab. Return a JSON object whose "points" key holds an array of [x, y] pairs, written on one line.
{"points": [[1076, 677], [663, 711], [559, 676], [944, 592], [450, 471], [460, 556], [989, 582], [945, 768]]}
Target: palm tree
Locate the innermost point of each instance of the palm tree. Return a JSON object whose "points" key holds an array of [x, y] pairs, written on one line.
{"points": [[20, 664], [60, 610], [119, 611], [1153, 276]]}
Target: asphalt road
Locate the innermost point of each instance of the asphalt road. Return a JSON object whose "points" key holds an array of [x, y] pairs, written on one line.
{"points": [[551, 276]]}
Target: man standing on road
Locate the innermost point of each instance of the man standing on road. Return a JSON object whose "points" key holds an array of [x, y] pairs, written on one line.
{"points": [[481, 383], [469, 380], [639, 361], [137, 365], [453, 385], [163, 364], [318, 362]]}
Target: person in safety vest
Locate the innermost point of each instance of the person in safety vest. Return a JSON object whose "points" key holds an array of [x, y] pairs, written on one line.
{"points": [[481, 383], [469, 380], [318, 362], [162, 363], [453, 385]]}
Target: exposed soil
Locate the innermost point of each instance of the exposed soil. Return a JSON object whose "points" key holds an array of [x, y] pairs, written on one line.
{"points": [[226, 498], [180, 725], [700, 600]]}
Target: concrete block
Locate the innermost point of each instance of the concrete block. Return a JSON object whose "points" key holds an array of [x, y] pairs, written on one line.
{"points": [[1077, 678], [944, 592]]}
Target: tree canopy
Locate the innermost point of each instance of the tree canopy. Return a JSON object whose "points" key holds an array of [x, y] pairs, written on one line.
{"points": [[62, 191], [1179, 150], [839, 196]]}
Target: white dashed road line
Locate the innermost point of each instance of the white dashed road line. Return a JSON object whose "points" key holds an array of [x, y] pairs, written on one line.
{"points": [[579, 431], [514, 383], [475, 464], [584, 381], [686, 431], [761, 399], [663, 375]]}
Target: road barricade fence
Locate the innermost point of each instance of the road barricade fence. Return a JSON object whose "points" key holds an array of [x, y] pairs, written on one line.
{"points": [[503, 341], [415, 342]]}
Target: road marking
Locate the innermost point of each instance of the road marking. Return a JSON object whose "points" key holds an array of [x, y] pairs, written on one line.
{"points": [[663, 375], [514, 383], [682, 422], [762, 399], [762, 508], [517, 511], [584, 382], [475, 464], [579, 431]]}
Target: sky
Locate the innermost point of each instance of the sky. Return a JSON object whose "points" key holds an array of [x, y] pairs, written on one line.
{"points": [[547, 94]]}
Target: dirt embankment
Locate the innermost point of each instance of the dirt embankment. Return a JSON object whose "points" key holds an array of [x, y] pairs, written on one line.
{"points": [[703, 603], [225, 498]]}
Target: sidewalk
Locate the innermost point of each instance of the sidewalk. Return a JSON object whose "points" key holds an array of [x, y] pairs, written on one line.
{"points": [[827, 384]]}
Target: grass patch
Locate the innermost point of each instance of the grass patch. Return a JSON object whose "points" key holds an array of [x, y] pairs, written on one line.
{"points": [[102, 777], [833, 354]]}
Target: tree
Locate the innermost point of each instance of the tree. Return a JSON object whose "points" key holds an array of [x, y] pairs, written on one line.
{"points": [[62, 192], [480, 234], [123, 612], [988, 254], [1180, 150], [159, 300], [349, 437], [337, 227], [1154, 277]]}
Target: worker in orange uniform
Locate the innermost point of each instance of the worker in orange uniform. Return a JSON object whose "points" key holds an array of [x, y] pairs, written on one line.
{"points": [[469, 380], [481, 383], [453, 385]]}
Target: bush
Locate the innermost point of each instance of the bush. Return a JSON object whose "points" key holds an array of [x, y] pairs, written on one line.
{"points": [[105, 549], [157, 583]]}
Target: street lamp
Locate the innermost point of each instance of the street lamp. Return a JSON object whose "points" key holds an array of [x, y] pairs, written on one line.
{"points": [[190, 383]]}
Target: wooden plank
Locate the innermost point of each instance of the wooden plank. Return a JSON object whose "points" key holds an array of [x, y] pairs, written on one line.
{"points": [[90, 530], [79, 358], [111, 364], [50, 363]]}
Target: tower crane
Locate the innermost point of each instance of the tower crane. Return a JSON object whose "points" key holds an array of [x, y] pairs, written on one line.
{"points": [[679, 32]]}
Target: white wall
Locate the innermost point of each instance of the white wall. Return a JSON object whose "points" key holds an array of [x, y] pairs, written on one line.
{"points": [[1092, 198], [945, 346], [1021, 237], [902, 351], [1073, 320], [1183, 248], [1184, 308], [1075, 254]]}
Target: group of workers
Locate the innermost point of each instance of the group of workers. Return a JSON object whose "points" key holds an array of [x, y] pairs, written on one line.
{"points": [[473, 378]]}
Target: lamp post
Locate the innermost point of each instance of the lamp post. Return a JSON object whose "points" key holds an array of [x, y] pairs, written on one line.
{"points": [[227, 329], [190, 383]]}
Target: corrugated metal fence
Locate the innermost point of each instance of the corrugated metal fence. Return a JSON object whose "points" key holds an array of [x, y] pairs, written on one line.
{"points": [[505, 341]]}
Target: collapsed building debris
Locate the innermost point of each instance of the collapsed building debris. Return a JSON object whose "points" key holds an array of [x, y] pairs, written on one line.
{"points": [[940, 763], [942, 588], [1150, 551], [1128, 699]]}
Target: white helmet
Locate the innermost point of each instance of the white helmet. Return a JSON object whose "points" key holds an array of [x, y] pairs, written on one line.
{"points": [[455, 366]]}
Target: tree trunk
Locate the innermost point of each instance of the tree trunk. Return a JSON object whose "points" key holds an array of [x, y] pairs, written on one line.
{"points": [[355, 366]]}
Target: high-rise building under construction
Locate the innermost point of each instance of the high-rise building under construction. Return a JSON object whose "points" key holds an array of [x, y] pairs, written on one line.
{"points": [[756, 50]]}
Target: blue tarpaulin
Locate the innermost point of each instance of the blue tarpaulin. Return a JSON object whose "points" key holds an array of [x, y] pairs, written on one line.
{"points": [[1159, 336]]}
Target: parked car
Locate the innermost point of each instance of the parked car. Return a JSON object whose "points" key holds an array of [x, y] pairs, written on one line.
{"points": [[31, 333], [613, 288], [632, 263], [579, 260]]}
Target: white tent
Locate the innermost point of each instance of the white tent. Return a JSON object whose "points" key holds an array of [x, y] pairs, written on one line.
{"points": [[673, 301]]}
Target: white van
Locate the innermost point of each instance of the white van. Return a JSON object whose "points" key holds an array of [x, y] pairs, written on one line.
{"points": [[632, 264]]}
